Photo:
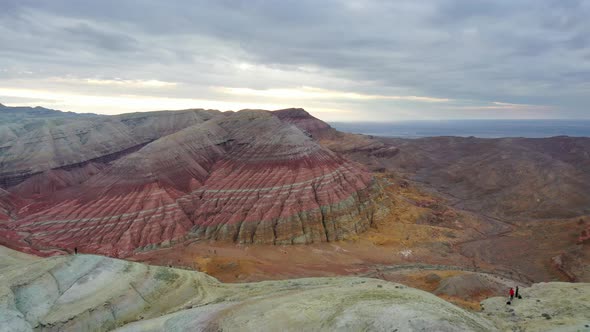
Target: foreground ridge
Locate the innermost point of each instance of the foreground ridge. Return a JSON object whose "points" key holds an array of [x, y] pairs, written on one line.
{"points": [[94, 293], [97, 293]]}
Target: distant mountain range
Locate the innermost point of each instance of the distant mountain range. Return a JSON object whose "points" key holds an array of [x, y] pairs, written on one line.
{"points": [[467, 128]]}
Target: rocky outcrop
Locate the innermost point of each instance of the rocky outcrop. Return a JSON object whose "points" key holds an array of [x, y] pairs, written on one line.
{"points": [[245, 177], [474, 285], [562, 263], [553, 306], [93, 293]]}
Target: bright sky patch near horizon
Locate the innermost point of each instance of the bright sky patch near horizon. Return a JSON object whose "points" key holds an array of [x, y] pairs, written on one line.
{"points": [[340, 60]]}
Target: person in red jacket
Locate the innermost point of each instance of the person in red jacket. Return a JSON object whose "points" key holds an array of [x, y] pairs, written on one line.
{"points": [[511, 293]]}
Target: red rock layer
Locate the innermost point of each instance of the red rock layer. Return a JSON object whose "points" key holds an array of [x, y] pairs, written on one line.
{"points": [[120, 221], [9, 206], [247, 177], [131, 204], [280, 187]]}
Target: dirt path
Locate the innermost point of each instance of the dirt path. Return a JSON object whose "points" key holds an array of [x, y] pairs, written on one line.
{"points": [[484, 250]]}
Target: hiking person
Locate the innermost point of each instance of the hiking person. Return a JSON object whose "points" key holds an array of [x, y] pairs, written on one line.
{"points": [[75, 250], [516, 294], [511, 296]]}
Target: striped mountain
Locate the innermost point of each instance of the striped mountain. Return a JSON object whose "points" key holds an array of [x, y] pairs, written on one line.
{"points": [[246, 177]]}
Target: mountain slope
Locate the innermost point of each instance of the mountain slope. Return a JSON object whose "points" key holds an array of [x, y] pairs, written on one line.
{"points": [[32, 146], [507, 178], [8, 205], [245, 177], [279, 186]]}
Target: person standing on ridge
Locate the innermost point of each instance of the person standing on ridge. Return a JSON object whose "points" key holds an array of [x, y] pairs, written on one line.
{"points": [[516, 294], [511, 292]]}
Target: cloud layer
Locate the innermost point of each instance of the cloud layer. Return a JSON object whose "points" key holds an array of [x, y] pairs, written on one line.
{"points": [[348, 60]]}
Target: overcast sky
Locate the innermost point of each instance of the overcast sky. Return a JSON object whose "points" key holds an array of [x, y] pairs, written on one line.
{"points": [[340, 60]]}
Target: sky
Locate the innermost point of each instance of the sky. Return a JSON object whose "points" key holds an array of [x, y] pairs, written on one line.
{"points": [[340, 60]]}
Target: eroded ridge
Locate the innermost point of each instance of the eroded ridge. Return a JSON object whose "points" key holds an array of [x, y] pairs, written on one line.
{"points": [[246, 177]]}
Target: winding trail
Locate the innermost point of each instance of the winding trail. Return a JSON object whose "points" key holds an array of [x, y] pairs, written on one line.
{"points": [[505, 228]]}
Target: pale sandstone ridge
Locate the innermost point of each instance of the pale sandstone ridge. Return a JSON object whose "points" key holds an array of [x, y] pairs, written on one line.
{"points": [[244, 177], [553, 306], [93, 293]]}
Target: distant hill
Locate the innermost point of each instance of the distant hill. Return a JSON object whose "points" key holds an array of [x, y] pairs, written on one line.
{"points": [[10, 114]]}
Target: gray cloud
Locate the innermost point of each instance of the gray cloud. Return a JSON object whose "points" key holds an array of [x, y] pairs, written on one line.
{"points": [[475, 52], [109, 41]]}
